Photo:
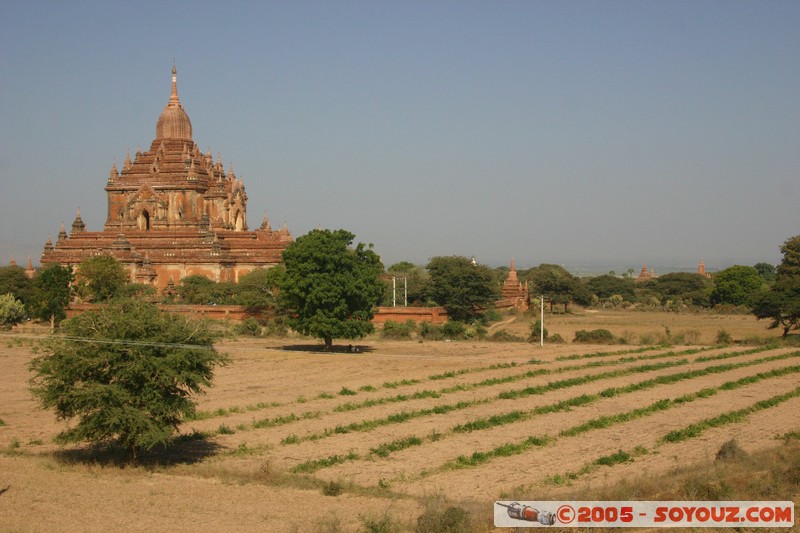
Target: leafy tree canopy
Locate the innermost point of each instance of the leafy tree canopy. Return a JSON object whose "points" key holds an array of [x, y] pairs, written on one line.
{"points": [[464, 289], [100, 278], [12, 311], [196, 290], [329, 288], [14, 280], [606, 286], [258, 288], [781, 304], [736, 285], [557, 285], [52, 293], [766, 271], [416, 283], [402, 266], [687, 286], [133, 383]]}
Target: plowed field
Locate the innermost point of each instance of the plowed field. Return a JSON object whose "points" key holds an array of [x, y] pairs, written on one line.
{"points": [[394, 424]]}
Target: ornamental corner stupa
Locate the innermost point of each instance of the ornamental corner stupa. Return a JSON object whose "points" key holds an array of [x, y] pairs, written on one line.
{"points": [[174, 212]]}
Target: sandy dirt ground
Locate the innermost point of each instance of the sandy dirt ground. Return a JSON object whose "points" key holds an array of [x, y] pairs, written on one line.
{"points": [[282, 405]]}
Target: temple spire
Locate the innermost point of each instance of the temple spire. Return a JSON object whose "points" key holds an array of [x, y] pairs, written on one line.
{"points": [[174, 123], [173, 98]]}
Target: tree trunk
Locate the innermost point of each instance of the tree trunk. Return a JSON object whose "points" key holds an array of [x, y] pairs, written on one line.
{"points": [[132, 454], [328, 344], [52, 322]]}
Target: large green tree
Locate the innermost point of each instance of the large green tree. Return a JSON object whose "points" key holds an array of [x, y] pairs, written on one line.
{"points": [[736, 285], [52, 293], [99, 278], [329, 288], [688, 287], [196, 290], [463, 288], [606, 286], [766, 271], [415, 284], [127, 372], [781, 304], [557, 285], [257, 289], [14, 280]]}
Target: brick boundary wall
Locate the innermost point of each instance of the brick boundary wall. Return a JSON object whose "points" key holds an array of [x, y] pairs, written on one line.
{"points": [[214, 312], [434, 315]]}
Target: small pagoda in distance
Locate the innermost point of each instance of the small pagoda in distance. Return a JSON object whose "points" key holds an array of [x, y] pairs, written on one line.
{"points": [[514, 292]]}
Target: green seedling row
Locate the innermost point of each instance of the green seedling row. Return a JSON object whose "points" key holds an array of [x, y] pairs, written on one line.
{"points": [[730, 417]]}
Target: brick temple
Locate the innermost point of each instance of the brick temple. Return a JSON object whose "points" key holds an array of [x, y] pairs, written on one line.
{"points": [[513, 292], [173, 212]]}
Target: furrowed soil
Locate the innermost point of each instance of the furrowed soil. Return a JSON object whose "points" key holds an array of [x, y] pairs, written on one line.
{"points": [[290, 439]]}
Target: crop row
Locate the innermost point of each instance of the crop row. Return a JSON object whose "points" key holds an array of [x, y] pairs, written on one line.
{"points": [[280, 420], [403, 416], [661, 405], [516, 416], [225, 411]]}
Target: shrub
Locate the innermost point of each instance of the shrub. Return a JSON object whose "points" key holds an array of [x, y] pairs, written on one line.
{"points": [[595, 336], [431, 332], [504, 336], [453, 329], [384, 524], [536, 332], [12, 311], [691, 336], [475, 331], [730, 451], [332, 488], [396, 330], [276, 328], [248, 326], [439, 518], [724, 337]]}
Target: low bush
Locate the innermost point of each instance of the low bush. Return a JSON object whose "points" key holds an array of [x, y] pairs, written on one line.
{"points": [[383, 524], [453, 330], [476, 331], [504, 336], [430, 332], [730, 451], [439, 517], [536, 332], [397, 330], [276, 328], [248, 326], [595, 336], [332, 488]]}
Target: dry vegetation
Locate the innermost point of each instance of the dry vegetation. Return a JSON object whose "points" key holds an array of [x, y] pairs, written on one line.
{"points": [[410, 435]]}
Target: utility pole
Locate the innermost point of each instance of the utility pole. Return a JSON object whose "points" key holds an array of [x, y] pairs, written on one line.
{"points": [[394, 292], [541, 323]]}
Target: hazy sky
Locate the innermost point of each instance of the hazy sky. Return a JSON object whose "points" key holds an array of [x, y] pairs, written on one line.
{"points": [[553, 131]]}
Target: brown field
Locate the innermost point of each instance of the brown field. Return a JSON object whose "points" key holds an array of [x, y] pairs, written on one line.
{"points": [[280, 454]]}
